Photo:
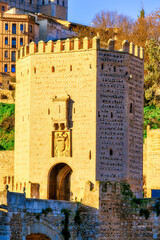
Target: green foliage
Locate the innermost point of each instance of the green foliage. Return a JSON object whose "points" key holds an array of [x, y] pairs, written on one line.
{"points": [[156, 208], [126, 191], [152, 73], [7, 126], [135, 203], [38, 215], [77, 218], [145, 213], [46, 211], [65, 231], [151, 118]]}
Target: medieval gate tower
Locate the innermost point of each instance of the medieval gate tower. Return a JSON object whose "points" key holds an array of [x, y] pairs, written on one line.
{"points": [[79, 119]]}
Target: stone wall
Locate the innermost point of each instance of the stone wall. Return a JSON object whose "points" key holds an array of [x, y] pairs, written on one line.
{"points": [[32, 216], [116, 219], [120, 116], [120, 216], [6, 169], [151, 157]]}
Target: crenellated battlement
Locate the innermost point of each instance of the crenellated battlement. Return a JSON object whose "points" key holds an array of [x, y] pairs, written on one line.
{"points": [[78, 45]]}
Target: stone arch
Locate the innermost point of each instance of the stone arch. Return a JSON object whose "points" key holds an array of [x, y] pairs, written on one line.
{"points": [[37, 236], [59, 182], [42, 230]]}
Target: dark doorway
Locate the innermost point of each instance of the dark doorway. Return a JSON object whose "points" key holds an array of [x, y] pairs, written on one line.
{"points": [[37, 237], [59, 182]]}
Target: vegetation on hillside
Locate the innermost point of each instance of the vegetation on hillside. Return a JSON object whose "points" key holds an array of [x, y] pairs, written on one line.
{"points": [[7, 122], [151, 118]]}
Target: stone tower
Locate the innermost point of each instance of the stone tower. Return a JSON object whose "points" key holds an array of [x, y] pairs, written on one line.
{"points": [[55, 8], [79, 119]]}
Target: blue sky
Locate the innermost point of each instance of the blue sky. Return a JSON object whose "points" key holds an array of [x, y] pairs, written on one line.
{"points": [[83, 11]]}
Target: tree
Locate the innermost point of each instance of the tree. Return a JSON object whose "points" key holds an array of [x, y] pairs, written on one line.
{"points": [[152, 73], [113, 25]]}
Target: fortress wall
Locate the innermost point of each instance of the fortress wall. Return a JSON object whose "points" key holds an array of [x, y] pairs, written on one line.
{"points": [[151, 169], [135, 85], [119, 128], [6, 169]]}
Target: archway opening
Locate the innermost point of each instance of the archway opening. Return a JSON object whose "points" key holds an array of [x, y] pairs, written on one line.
{"points": [[59, 182], [37, 236]]}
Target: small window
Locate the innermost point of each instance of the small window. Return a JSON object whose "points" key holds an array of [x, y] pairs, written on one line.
{"points": [[21, 41], [53, 69], [9, 180], [13, 56], [57, 1], [4, 180], [13, 28], [21, 27], [90, 66], [3, 8], [111, 115], [131, 108], [70, 67], [6, 40], [56, 126], [90, 155], [30, 1], [111, 152], [6, 54], [13, 68], [48, 111], [62, 126], [63, 3], [102, 66], [30, 28], [13, 42], [5, 67], [35, 70], [114, 69], [6, 26]]}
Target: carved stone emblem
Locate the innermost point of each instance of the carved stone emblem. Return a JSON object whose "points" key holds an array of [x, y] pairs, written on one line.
{"points": [[61, 144]]}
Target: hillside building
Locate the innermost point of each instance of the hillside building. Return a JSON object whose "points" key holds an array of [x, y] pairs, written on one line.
{"points": [[55, 8], [20, 25], [16, 30]]}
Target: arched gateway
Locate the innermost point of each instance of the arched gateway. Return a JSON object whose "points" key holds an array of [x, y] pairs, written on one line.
{"points": [[40, 231], [37, 236], [59, 182]]}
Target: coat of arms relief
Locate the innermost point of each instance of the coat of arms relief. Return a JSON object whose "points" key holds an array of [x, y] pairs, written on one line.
{"points": [[61, 142]]}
